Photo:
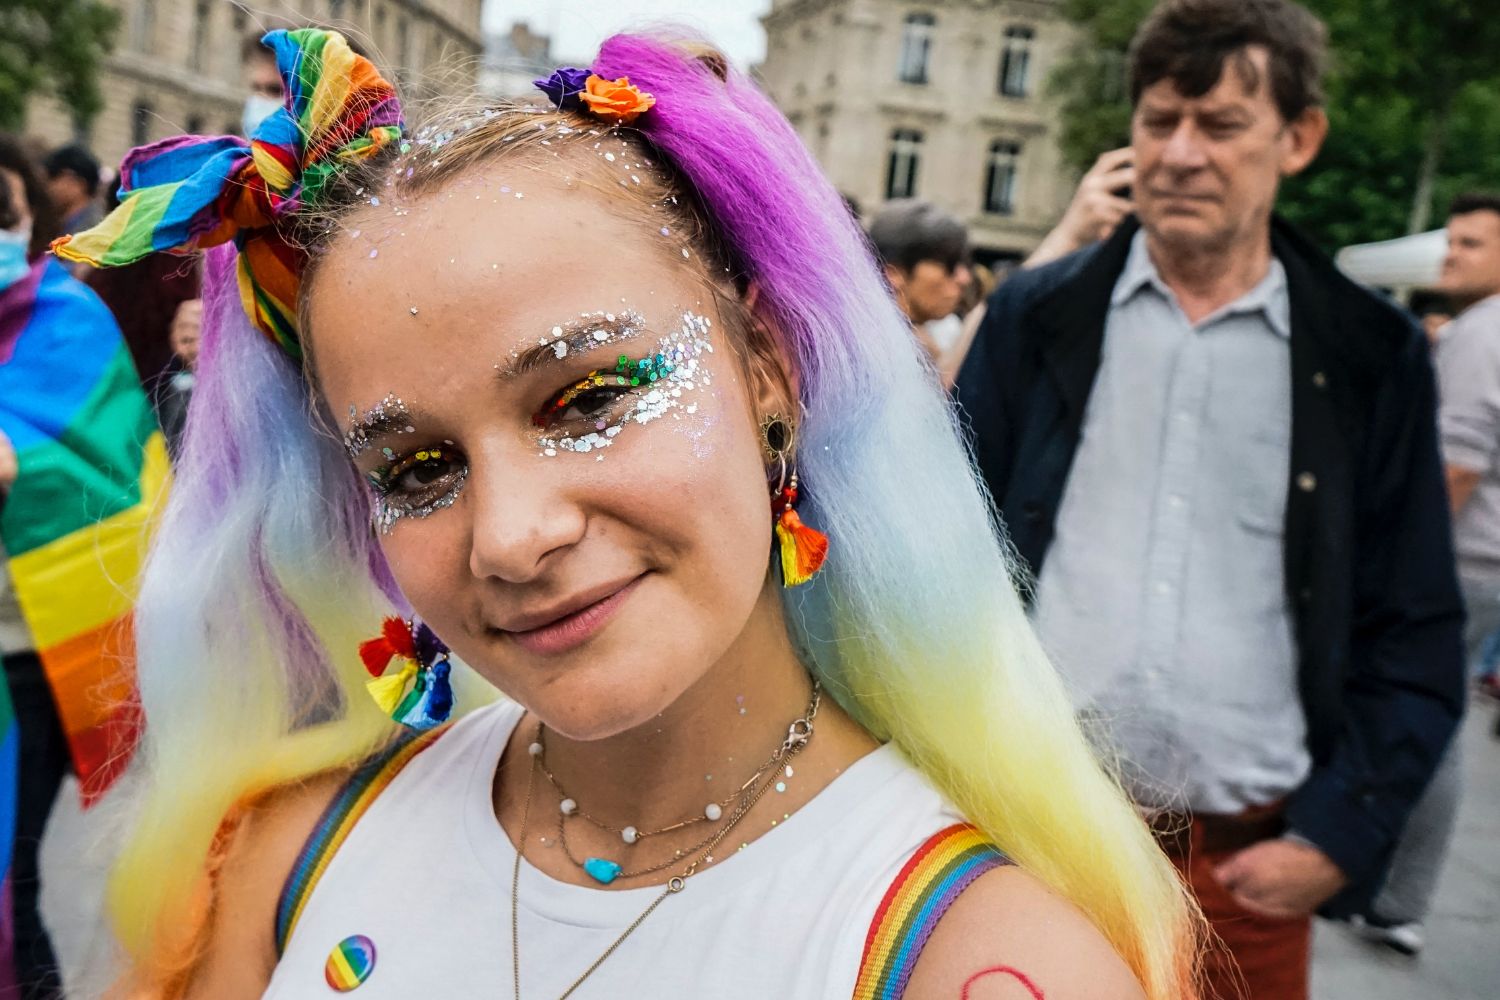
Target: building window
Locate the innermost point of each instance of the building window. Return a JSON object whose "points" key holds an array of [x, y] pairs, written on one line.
{"points": [[201, 40], [1015, 63], [143, 25], [140, 123], [906, 155], [1000, 178], [916, 47]]}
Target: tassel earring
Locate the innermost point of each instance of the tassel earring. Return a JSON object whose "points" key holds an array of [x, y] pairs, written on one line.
{"points": [[424, 666], [803, 549]]}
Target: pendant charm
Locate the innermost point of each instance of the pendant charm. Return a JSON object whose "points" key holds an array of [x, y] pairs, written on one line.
{"points": [[601, 870]]}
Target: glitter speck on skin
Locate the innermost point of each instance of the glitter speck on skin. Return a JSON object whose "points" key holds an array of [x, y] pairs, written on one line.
{"points": [[665, 231], [375, 202], [684, 253], [413, 310], [610, 157], [374, 254], [781, 786], [789, 770]]}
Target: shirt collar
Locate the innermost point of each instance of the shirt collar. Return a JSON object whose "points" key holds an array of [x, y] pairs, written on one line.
{"points": [[1269, 297]]}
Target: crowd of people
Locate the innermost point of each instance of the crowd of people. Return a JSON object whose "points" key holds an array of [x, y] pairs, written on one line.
{"points": [[1120, 613]]}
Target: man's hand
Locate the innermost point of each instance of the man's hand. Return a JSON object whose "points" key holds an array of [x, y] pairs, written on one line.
{"points": [[1101, 201], [9, 467], [1281, 878]]}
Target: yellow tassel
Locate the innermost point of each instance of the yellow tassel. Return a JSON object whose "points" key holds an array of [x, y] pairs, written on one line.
{"points": [[387, 691], [803, 549]]}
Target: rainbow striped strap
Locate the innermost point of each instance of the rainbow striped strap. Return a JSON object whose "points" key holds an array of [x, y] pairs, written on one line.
{"points": [[337, 822], [931, 881]]}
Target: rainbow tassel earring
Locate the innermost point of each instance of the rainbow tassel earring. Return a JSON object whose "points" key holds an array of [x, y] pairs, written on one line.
{"points": [[424, 666], [803, 549]]}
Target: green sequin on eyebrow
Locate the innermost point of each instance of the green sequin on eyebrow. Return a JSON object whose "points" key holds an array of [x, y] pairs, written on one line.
{"points": [[626, 372]]}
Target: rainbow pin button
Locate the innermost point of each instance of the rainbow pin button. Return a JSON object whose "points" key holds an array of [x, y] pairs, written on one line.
{"points": [[350, 963]]}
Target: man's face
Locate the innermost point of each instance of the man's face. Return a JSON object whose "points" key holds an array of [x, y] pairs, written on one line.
{"points": [[930, 290], [1471, 270], [261, 78], [1208, 167], [67, 191]]}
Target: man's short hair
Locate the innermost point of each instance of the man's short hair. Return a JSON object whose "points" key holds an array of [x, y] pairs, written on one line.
{"points": [[1189, 42], [907, 231], [1475, 201], [77, 161]]}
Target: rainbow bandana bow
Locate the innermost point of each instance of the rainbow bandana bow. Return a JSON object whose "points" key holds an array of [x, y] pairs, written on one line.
{"points": [[187, 193]]}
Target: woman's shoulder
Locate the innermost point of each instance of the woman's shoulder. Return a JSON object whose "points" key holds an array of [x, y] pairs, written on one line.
{"points": [[260, 844], [1010, 936]]}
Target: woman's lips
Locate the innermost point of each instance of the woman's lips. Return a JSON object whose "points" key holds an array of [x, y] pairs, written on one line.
{"points": [[575, 628]]}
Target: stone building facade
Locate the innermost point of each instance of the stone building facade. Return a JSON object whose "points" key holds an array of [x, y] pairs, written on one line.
{"points": [[176, 64], [943, 100]]}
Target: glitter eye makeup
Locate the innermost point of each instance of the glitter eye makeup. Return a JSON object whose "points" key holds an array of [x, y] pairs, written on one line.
{"points": [[417, 484], [389, 416], [607, 400]]}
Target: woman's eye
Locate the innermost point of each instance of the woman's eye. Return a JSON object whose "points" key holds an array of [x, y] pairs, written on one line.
{"points": [[592, 403], [586, 399], [418, 472]]}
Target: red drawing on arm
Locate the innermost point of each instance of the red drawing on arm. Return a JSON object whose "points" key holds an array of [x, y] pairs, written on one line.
{"points": [[1003, 970]]}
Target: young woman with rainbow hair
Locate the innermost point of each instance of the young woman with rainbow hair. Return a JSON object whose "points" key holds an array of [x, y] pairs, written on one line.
{"points": [[584, 368]]}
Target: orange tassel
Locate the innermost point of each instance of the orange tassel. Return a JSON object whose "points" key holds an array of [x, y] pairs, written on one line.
{"points": [[803, 549]]}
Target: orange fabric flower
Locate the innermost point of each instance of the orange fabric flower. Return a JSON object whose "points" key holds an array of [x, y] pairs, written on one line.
{"points": [[616, 101]]}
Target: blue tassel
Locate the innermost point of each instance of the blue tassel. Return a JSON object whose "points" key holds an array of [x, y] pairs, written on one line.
{"points": [[430, 701]]}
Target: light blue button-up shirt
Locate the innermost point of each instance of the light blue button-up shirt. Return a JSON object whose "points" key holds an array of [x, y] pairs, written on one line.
{"points": [[1162, 597]]}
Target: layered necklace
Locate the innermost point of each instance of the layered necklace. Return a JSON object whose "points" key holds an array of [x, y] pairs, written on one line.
{"points": [[729, 810]]}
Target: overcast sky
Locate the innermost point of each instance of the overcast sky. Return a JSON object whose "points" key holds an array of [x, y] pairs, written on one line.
{"points": [[578, 26]]}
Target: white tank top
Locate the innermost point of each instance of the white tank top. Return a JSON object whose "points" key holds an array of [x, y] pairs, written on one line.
{"points": [[425, 877]]}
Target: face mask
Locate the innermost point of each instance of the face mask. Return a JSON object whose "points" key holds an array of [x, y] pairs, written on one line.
{"points": [[13, 247], [258, 107]]}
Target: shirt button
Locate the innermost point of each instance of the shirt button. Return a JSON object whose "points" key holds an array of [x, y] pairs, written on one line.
{"points": [[1320, 380], [1307, 482]]}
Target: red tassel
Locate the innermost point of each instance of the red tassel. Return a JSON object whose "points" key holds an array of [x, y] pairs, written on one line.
{"points": [[803, 549], [394, 640]]}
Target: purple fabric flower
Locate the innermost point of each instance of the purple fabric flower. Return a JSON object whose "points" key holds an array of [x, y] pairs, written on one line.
{"points": [[563, 86]]}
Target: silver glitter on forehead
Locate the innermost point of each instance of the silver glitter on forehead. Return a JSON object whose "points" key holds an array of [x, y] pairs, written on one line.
{"points": [[389, 416], [684, 351]]}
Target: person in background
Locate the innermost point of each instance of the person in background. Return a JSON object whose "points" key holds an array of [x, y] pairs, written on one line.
{"points": [[925, 253], [44, 747], [1257, 611], [73, 187], [1468, 370], [175, 389], [90, 469], [264, 93]]}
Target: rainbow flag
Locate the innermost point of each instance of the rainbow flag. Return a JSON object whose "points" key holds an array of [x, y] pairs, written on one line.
{"points": [[10, 753], [93, 465]]}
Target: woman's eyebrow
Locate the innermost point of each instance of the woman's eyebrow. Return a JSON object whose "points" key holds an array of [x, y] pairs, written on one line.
{"points": [[385, 419], [587, 333]]}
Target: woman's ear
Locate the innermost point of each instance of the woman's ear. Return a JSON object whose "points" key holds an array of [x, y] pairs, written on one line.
{"points": [[769, 362]]}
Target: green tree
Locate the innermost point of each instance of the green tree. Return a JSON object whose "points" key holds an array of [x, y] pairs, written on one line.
{"points": [[1413, 101], [55, 46]]}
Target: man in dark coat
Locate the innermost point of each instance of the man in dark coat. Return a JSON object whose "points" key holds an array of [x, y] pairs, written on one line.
{"points": [[1218, 459]]}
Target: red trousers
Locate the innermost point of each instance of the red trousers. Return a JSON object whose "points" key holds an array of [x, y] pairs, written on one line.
{"points": [[1256, 957]]}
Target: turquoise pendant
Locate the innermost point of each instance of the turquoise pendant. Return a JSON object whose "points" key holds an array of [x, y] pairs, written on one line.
{"points": [[601, 870]]}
